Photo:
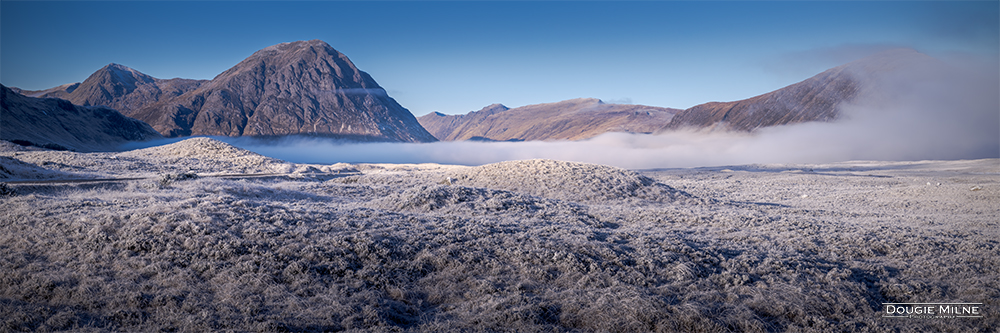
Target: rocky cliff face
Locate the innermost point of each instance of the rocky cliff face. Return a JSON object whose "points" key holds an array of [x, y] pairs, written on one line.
{"points": [[58, 124], [574, 119], [303, 87], [815, 99]]}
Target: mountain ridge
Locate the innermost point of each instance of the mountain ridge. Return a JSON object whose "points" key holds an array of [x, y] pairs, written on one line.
{"points": [[573, 119], [817, 98], [309, 88], [302, 87], [121, 88], [58, 124]]}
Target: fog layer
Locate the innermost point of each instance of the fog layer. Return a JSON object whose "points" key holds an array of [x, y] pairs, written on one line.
{"points": [[947, 112]]}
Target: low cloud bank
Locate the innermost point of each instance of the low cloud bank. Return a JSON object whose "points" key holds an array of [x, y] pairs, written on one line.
{"points": [[952, 112]]}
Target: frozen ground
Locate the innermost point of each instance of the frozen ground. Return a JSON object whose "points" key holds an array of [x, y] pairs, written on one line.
{"points": [[257, 244]]}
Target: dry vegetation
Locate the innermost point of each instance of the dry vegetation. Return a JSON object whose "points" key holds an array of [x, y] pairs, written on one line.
{"points": [[515, 246]]}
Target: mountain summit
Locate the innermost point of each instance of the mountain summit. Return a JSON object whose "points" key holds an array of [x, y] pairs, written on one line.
{"points": [[120, 78], [303, 87], [119, 87]]}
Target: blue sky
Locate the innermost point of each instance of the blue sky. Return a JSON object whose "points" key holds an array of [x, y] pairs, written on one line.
{"points": [[455, 57]]}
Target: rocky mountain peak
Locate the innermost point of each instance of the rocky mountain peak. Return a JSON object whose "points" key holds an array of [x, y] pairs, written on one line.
{"points": [[119, 87], [119, 77], [304, 87], [493, 108], [296, 46], [315, 60]]}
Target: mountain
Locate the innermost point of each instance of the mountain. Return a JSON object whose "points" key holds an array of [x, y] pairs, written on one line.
{"points": [[58, 124], [119, 87], [449, 127], [303, 87], [574, 119], [814, 99]]}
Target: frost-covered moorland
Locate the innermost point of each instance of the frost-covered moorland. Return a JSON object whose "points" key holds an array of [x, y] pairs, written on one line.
{"points": [[206, 237]]}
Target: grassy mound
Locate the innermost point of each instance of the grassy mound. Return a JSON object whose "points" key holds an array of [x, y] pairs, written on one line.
{"points": [[205, 150], [567, 181]]}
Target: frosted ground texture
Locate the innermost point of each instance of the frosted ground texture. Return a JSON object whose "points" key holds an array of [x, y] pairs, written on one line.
{"points": [[535, 245]]}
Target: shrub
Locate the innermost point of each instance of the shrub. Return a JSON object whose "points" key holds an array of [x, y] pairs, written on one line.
{"points": [[167, 179]]}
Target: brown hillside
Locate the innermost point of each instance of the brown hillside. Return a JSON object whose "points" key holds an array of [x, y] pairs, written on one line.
{"points": [[574, 119]]}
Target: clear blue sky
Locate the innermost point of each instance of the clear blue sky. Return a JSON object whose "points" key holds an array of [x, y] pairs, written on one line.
{"points": [[456, 57]]}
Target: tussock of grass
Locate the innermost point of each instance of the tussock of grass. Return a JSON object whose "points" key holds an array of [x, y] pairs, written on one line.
{"points": [[393, 250]]}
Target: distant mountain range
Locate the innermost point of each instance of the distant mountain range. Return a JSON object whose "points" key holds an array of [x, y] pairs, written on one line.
{"points": [[58, 124], [120, 88], [573, 119], [308, 88], [303, 87], [815, 99]]}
